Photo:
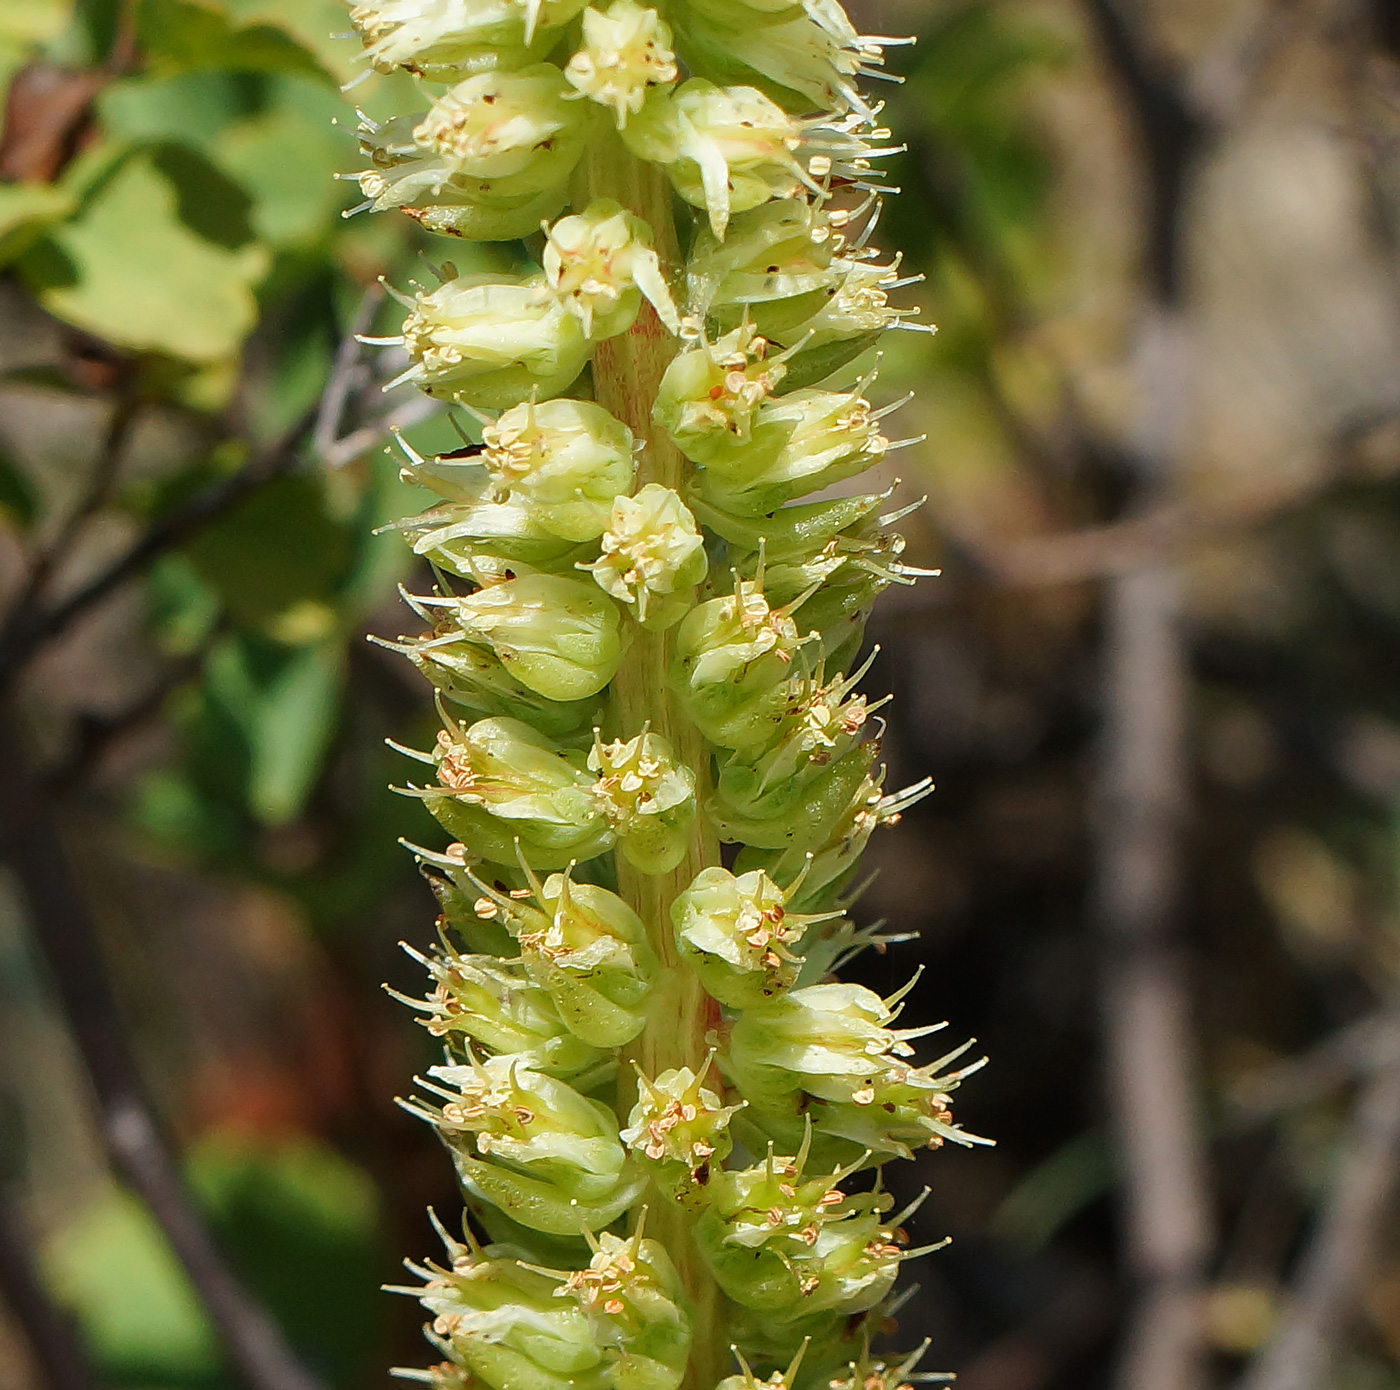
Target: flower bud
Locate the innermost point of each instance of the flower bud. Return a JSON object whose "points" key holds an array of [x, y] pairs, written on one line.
{"points": [[567, 459], [633, 1299], [831, 863], [726, 149], [599, 263], [489, 341], [711, 393], [788, 1247], [463, 538], [421, 182], [496, 1006], [586, 947], [730, 654], [502, 783], [653, 556], [801, 810], [505, 134], [501, 1321], [810, 62], [825, 1054], [441, 39], [475, 678], [739, 935], [681, 1129], [774, 264], [546, 1155], [647, 797], [800, 443], [560, 637], [626, 52]]}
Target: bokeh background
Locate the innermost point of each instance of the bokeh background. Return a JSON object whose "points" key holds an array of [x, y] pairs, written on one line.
{"points": [[1158, 685]]}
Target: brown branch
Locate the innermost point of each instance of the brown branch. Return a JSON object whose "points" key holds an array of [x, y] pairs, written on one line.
{"points": [[35, 625], [347, 372], [120, 424], [67, 941], [55, 1343], [1358, 1050], [1300, 1356], [1144, 997]]}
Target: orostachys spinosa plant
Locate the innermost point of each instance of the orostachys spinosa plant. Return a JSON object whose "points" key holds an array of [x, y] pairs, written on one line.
{"points": [[663, 1108]]}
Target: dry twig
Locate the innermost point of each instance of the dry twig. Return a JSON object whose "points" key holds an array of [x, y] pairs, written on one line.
{"points": [[67, 941], [1299, 1357]]}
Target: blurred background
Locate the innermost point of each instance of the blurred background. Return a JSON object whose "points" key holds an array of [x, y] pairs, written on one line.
{"points": [[1158, 685]]}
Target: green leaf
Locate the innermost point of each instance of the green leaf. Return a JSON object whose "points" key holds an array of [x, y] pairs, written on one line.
{"points": [[183, 607], [287, 157], [301, 1226], [184, 36], [207, 200], [192, 107], [312, 23], [131, 272], [276, 551], [26, 209], [18, 502], [110, 1264], [284, 703], [293, 731]]}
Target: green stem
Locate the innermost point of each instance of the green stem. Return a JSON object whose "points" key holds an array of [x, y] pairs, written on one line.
{"points": [[627, 371]]}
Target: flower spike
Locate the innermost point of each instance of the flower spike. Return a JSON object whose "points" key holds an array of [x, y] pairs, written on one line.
{"points": [[650, 574]]}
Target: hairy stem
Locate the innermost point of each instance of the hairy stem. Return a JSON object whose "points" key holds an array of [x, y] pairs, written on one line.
{"points": [[627, 371]]}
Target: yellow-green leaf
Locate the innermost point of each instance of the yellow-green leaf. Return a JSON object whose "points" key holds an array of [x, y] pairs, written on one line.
{"points": [[138, 277]]}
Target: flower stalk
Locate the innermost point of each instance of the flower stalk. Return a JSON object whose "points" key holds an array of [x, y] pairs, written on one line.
{"points": [[645, 640]]}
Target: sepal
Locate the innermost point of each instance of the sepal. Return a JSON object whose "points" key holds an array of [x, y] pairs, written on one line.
{"points": [[558, 636], [739, 936], [442, 39], [831, 863], [680, 1129], [731, 655], [475, 678], [825, 1055], [505, 135], [634, 1301], [789, 1247], [647, 797], [502, 784], [568, 460], [499, 1320], [599, 263], [711, 393], [653, 556], [801, 442], [494, 1004], [585, 946], [535, 1147], [489, 341], [626, 53]]}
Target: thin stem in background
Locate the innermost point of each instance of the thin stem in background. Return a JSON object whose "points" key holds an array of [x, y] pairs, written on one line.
{"points": [[66, 940], [35, 624], [1300, 1356], [54, 1341], [1145, 1000], [1145, 997]]}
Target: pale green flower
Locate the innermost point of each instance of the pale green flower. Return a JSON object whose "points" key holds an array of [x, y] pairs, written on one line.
{"points": [[626, 52]]}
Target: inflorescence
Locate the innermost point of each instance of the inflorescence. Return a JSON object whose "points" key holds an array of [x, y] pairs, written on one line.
{"points": [[645, 637]]}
